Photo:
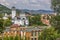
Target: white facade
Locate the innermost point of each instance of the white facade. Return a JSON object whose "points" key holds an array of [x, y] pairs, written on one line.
{"points": [[22, 15], [13, 13], [5, 17], [26, 22], [21, 20], [16, 22]]}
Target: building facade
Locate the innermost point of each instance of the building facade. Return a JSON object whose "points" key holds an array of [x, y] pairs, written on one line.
{"points": [[21, 19], [30, 33]]}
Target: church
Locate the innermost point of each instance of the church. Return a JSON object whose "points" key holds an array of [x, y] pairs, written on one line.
{"points": [[21, 20]]}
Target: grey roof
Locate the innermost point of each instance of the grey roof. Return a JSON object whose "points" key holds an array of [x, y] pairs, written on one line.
{"points": [[28, 29]]}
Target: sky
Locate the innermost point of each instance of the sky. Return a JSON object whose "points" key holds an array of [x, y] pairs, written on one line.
{"points": [[28, 4]]}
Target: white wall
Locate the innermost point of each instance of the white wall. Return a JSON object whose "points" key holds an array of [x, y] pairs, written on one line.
{"points": [[13, 13]]}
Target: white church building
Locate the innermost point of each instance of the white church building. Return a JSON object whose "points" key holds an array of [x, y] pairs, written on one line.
{"points": [[21, 19]]}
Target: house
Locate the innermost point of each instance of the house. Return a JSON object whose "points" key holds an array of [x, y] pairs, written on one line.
{"points": [[45, 19], [5, 16], [31, 33]]}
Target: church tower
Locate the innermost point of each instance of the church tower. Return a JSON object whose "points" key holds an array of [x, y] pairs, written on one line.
{"points": [[13, 12]]}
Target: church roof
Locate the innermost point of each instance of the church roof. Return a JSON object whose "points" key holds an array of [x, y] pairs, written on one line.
{"points": [[15, 25]]}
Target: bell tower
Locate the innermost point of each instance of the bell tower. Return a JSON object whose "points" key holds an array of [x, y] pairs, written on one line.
{"points": [[13, 12]]}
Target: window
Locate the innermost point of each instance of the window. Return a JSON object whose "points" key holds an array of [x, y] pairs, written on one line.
{"points": [[23, 18], [35, 38], [31, 38], [33, 33]]}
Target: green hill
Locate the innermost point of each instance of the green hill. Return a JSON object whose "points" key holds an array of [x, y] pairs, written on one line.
{"points": [[4, 9]]}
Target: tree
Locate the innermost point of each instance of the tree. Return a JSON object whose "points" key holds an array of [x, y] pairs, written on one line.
{"points": [[49, 34], [35, 20], [56, 5], [1, 15], [4, 23], [7, 22], [16, 37], [1, 25], [55, 22]]}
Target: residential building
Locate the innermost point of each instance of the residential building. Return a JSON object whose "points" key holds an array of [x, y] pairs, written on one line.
{"points": [[31, 33]]}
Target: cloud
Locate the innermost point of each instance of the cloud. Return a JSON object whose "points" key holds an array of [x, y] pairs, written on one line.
{"points": [[3, 0], [28, 4], [33, 1]]}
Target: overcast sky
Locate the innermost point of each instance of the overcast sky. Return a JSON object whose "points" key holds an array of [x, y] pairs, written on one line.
{"points": [[28, 4]]}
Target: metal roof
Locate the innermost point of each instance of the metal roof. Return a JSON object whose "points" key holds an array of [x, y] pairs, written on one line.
{"points": [[27, 29]]}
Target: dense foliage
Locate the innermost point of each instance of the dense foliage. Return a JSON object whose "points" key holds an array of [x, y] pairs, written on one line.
{"points": [[55, 21], [17, 37], [56, 5], [49, 34], [7, 22], [36, 20], [4, 23], [1, 25]]}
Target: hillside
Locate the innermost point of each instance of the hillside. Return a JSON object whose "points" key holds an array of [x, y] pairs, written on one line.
{"points": [[38, 11], [4, 9]]}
